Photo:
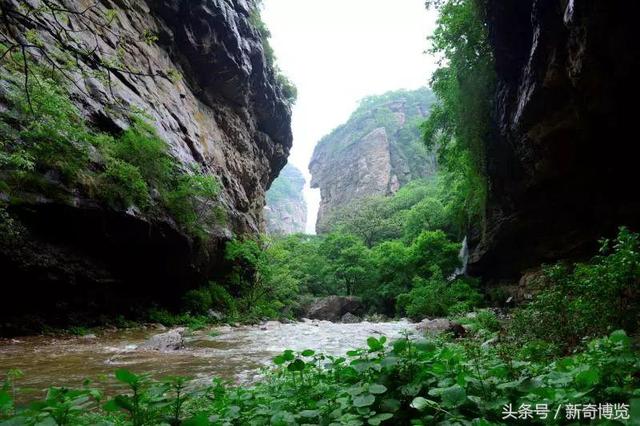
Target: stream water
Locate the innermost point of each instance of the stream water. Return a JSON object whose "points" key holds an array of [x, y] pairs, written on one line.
{"points": [[231, 353]]}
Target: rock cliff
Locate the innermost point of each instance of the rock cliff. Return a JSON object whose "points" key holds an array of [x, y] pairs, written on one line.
{"points": [[202, 78], [374, 153], [286, 210], [562, 162]]}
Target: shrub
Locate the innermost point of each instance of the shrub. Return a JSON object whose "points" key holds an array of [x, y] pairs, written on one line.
{"points": [[588, 300], [141, 147], [212, 296], [122, 185], [191, 202], [435, 297], [198, 301]]}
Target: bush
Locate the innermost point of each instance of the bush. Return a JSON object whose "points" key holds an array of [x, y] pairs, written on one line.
{"points": [[197, 301], [192, 201], [122, 185], [212, 296], [141, 147], [435, 297], [588, 300]]}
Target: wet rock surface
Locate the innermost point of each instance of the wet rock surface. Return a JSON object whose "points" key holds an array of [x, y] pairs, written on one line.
{"points": [[172, 340], [561, 170]]}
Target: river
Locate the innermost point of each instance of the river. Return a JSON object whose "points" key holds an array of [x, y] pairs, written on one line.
{"points": [[235, 354]]}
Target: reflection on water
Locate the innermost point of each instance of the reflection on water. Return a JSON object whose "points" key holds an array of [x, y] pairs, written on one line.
{"points": [[231, 353]]}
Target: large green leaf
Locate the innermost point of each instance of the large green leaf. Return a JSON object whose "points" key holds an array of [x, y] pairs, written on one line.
{"points": [[453, 396], [364, 400], [379, 418], [5, 401], [377, 389], [374, 344], [421, 404], [297, 365], [588, 378], [126, 376]]}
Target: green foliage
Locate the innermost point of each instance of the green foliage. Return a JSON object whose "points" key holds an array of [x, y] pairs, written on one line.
{"points": [[433, 249], [421, 205], [408, 382], [185, 319], [122, 185], [193, 199], [436, 297], [46, 130], [459, 124], [347, 266], [213, 296], [340, 263], [261, 288], [47, 147], [10, 229], [587, 300]]}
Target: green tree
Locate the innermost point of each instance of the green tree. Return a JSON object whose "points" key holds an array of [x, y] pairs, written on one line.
{"points": [[428, 215], [394, 273], [433, 249], [348, 267]]}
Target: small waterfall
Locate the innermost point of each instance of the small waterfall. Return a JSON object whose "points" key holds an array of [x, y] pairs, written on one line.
{"points": [[463, 256]]}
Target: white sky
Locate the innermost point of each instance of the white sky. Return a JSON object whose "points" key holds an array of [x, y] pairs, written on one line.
{"points": [[339, 51]]}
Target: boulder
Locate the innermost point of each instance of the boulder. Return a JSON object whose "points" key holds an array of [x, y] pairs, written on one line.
{"points": [[440, 325], [172, 340], [349, 318], [332, 308]]}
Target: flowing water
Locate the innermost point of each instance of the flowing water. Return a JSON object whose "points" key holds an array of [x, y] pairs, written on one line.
{"points": [[232, 353]]}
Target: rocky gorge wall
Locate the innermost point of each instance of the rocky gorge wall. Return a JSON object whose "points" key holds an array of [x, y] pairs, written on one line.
{"points": [[562, 160], [375, 152], [206, 85], [286, 210]]}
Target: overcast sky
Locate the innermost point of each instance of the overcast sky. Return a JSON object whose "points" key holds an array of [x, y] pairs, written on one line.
{"points": [[339, 51]]}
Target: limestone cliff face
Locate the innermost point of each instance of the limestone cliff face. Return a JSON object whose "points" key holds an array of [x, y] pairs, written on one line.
{"points": [[374, 153], [286, 210], [204, 82], [562, 164]]}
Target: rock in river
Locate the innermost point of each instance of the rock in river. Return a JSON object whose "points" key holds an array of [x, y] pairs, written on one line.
{"points": [[349, 318], [332, 308], [170, 341]]}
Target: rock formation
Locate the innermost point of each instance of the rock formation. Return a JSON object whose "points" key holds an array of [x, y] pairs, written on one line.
{"points": [[206, 84], [286, 210], [374, 153], [562, 163]]}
